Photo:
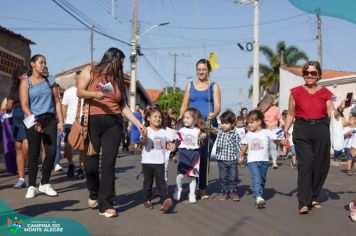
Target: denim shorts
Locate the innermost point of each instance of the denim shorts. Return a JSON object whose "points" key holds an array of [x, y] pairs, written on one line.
{"points": [[18, 127]]}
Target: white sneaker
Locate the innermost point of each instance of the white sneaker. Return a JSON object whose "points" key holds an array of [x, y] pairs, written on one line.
{"points": [[260, 202], [47, 189], [177, 194], [192, 198], [31, 192], [57, 167]]}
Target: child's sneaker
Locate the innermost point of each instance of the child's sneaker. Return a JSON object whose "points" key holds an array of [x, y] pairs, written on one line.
{"points": [[192, 198], [20, 184], [166, 204], [260, 203], [177, 194], [148, 204], [352, 207]]}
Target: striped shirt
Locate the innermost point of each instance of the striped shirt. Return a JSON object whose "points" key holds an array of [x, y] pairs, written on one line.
{"points": [[228, 145]]}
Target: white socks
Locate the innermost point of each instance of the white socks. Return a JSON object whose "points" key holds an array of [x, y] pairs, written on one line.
{"points": [[192, 184]]}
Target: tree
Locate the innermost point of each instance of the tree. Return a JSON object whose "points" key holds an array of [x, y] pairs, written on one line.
{"points": [[171, 99], [269, 74]]}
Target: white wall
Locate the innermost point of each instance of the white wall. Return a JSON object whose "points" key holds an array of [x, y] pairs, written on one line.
{"points": [[287, 81]]}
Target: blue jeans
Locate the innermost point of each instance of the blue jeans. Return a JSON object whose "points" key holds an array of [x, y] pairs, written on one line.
{"points": [[228, 176], [258, 172]]}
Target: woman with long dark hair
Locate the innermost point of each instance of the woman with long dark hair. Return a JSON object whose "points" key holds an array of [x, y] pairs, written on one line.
{"points": [[21, 144], [205, 96], [40, 101], [102, 86]]}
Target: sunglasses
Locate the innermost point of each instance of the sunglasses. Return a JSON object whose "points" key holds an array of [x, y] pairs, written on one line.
{"points": [[312, 73]]}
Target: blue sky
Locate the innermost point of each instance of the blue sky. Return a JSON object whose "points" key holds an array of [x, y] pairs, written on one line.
{"points": [[197, 28]]}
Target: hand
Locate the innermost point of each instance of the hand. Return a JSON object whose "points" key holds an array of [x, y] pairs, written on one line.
{"points": [[143, 130], [211, 116], [38, 128], [241, 159], [99, 95], [60, 127]]}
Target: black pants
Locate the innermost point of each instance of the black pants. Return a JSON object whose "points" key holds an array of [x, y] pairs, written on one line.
{"points": [[312, 145], [105, 132], [49, 136], [150, 172], [205, 152]]}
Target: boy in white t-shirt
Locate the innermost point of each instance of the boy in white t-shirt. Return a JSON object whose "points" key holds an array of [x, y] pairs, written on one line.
{"points": [[349, 135], [257, 142]]}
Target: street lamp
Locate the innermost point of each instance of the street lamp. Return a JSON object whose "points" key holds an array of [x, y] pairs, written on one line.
{"points": [[256, 49], [133, 58]]}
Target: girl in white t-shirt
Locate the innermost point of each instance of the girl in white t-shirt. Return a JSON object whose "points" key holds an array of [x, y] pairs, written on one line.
{"points": [[189, 157], [155, 142], [257, 142], [172, 137], [349, 135]]}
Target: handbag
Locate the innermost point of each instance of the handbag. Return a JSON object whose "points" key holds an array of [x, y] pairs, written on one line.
{"points": [[336, 133]]}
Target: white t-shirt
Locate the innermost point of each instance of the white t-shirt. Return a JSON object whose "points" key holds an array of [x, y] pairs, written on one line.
{"points": [[290, 136], [154, 150], [70, 99], [172, 135], [353, 141], [258, 144], [347, 141], [190, 138], [241, 131]]}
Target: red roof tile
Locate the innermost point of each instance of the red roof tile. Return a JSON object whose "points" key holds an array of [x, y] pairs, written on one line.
{"points": [[327, 74], [153, 94]]}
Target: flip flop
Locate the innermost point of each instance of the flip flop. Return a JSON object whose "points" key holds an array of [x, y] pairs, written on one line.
{"points": [[304, 210], [316, 205]]}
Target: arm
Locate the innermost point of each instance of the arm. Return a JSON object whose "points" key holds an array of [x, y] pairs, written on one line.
{"points": [[58, 106], [290, 115], [331, 108], [128, 113], [217, 103], [185, 102], [83, 83], [64, 109], [24, 89], [242, 152], [9, 104]]}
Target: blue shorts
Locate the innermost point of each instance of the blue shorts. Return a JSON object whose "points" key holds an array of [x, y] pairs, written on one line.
{"points": [[18, 127], [292, 150]]}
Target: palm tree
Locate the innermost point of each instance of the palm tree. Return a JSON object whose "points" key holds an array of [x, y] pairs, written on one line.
{"points": [[269, 74]]}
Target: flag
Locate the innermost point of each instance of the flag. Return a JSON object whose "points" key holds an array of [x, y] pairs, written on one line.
{"points": [[213, 57]]}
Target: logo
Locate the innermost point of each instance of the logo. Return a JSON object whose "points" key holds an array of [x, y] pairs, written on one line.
{"points": [[15, 225]]}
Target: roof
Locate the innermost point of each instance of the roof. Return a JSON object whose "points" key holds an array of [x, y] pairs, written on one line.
{"points": [[153, 94], [327, 74], [13, 34]]}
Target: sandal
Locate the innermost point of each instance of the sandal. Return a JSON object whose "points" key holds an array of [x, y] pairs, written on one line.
{"points": [[316, 205], [92, 203], [304, 210], [109, 213], [203, 194]]}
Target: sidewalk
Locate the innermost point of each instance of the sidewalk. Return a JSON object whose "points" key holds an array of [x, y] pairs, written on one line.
{"points": [[207, 217]]}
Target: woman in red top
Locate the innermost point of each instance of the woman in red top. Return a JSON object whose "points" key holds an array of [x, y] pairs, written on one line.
{"points": [[102, 85], [311, 105]]}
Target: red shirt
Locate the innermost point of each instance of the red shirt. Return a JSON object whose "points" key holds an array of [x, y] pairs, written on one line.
{"points": [[311, 106]]}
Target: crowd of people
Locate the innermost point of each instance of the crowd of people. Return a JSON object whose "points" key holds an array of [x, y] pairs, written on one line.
{"points": [[41, 119]]}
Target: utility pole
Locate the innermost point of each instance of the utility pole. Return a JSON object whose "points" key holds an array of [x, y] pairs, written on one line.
{"points": [[175, 55], [318, 39], [133, 57], [256, 50], [91, 44]]}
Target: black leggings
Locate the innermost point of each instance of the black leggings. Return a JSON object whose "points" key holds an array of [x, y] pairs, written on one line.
{"points": [[49, 137], [105, 132]]}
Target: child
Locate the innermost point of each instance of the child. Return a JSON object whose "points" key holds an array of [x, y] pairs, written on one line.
{"points": [[189, 157], [257, 142], [349, 133], [293, 164], [241, 130], [172, 137], [153, 159], [227, 151]]}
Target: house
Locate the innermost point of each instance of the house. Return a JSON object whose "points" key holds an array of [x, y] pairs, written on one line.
{"points": [[154, 94], [66, 79], [14, 51], [338, 82]]}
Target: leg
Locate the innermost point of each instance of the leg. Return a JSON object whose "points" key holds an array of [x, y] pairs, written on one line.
{"points": [[223, 176], [58, 149], [263, 172], [256, 179], [273, 150], [160, 182], [34, 142], [110, 146], [50, 143], [148, 175], [20, 158], [233, 176]]}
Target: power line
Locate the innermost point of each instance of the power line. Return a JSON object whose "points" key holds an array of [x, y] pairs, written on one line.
{"points": [[154, 69], [234, 27], [90, 27]]}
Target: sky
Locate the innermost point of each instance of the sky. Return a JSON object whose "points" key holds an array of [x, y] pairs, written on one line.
{"points": [[196, 28]]}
